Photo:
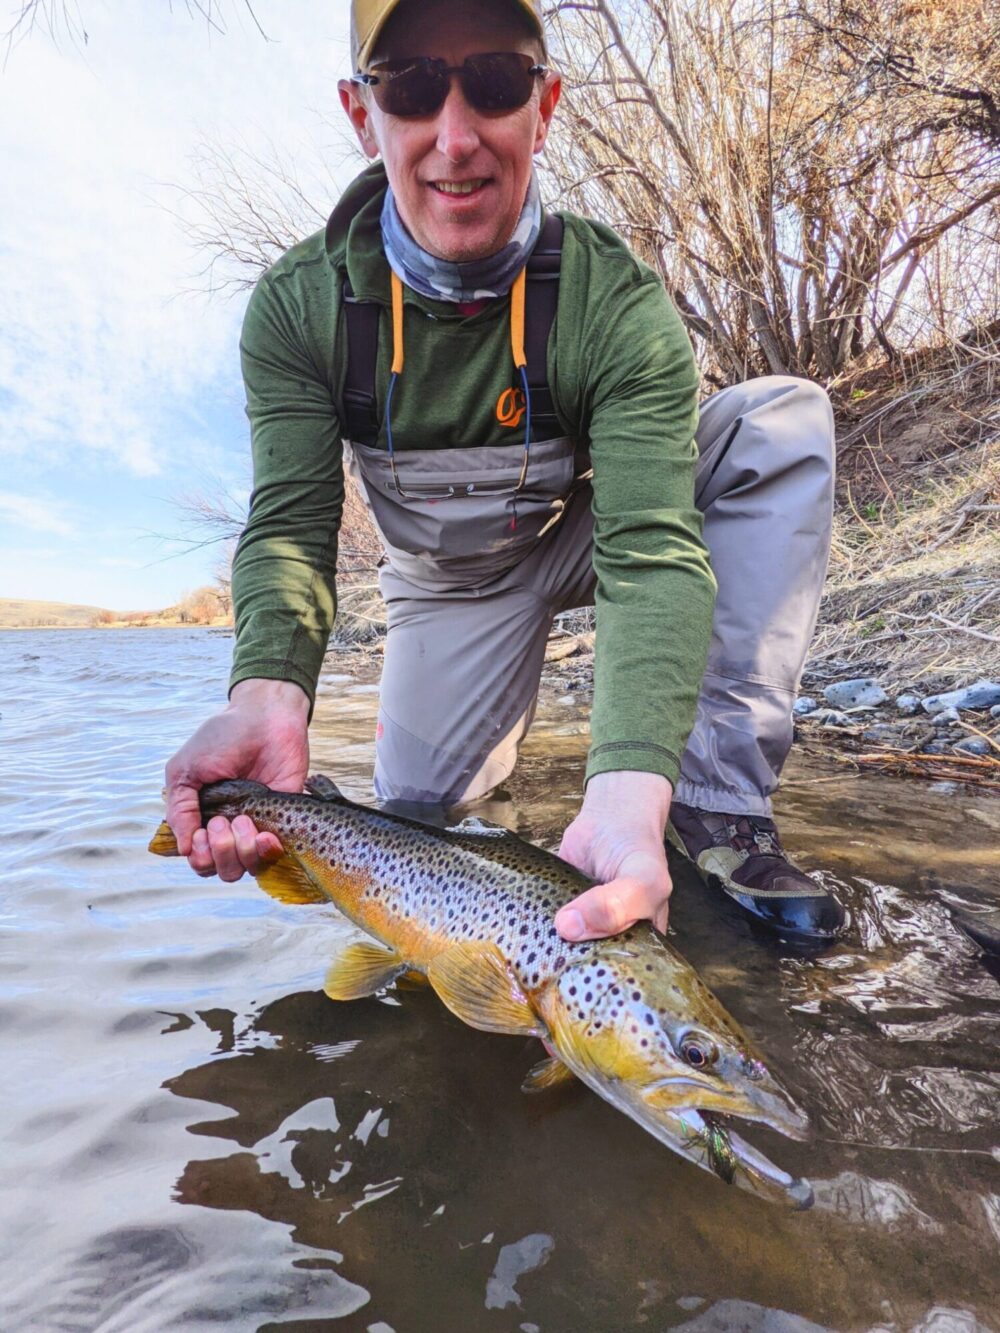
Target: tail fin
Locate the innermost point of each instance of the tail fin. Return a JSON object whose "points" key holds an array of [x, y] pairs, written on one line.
{"points": [[163, 842]]}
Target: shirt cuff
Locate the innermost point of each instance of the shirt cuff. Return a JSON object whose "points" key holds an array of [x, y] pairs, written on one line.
{"points": [[639, 756]]}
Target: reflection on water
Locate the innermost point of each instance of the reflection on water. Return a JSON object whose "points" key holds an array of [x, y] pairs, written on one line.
{"points": [[199, 1138]]}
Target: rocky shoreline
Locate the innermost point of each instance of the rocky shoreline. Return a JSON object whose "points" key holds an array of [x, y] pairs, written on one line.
{"points": [[948, 732], [962, 721], [937, 731], [950, 735]]}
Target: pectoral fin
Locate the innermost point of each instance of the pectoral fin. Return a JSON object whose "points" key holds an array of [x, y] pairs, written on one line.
{"points": [[286, 880], [551, 1073], [361, 969], [476, 983], [163, 842]]}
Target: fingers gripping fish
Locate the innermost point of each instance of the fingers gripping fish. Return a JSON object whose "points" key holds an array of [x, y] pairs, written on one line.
{"points": [[472, 908]]}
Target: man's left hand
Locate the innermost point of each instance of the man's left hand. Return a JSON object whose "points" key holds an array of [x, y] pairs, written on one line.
{"points": [[618, 839]]}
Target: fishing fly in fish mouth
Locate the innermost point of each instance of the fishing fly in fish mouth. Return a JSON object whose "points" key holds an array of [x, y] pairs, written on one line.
{"points": [[471, 908]]}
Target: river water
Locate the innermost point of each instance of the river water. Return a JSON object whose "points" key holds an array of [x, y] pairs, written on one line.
{"points": [[195, 1137]]}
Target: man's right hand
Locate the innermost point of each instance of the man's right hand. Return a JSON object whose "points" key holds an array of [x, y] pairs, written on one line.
{"points": [[262, 734]]}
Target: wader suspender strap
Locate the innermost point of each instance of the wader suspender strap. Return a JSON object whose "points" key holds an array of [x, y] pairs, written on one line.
{"points": [[361, 422]]}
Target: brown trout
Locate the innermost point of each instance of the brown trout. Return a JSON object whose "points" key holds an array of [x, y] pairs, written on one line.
{"points": [[471, 908]]}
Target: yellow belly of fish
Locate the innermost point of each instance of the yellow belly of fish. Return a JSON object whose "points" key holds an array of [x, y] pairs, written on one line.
{"points": [[415, 943]]}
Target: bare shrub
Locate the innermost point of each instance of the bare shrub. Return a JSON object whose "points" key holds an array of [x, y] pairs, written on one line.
{"points": [[65, 18], [802, 195], [200, 607]]}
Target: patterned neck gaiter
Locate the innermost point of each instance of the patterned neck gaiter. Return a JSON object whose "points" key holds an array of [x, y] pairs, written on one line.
{"points": [[477, 280]]}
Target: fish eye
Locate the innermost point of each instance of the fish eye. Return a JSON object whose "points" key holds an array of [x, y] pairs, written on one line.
{"points": [[698, 1050]]}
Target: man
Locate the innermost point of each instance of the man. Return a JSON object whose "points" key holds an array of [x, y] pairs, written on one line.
{"points": [[508, 491]]}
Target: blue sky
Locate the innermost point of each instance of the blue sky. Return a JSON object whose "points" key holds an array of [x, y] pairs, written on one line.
{"points": [[119, 379]]}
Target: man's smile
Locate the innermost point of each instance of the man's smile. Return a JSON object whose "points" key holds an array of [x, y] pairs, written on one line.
{"points": [[460, 188]]}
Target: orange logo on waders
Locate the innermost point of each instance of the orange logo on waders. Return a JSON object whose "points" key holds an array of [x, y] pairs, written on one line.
{"points": [[511, 407]]}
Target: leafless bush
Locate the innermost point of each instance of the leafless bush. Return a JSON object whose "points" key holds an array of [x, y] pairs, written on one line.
{"points": [[65, 18], [212, 516], [243, 208], [802, 193], [202, 606]]}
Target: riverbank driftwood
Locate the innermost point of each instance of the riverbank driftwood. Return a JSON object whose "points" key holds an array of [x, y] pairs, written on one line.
{"points": [[973, 770]]}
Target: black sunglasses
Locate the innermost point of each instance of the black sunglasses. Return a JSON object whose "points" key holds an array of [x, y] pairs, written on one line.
{"points": [[497, 81]]}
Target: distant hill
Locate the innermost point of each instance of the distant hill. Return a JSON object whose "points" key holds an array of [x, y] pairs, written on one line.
{"points": [[16, 614], [204, 606]]}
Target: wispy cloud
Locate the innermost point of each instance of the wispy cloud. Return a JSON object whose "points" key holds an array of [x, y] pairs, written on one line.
{"points": [[116, 384], [39, 515]]}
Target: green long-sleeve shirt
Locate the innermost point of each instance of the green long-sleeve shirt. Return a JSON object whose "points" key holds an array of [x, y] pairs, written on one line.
{"points": [[624, 385]]}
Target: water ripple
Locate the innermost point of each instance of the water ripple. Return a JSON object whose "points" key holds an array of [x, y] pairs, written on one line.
{"points": [[199, 1138]]}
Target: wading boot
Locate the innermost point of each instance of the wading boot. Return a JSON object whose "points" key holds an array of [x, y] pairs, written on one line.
{"points": [[742, 854]]}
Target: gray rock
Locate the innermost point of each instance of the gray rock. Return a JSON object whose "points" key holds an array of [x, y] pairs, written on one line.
{"points": [[865, 692], [983, 694], [830, 717], [973, 745], [803, 706], [882, 731], [907, 704], [726, 1315], [936, 747], [995, 711], [947, 717]]}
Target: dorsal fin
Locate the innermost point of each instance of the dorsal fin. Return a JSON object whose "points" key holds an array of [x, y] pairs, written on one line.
{"points": [[476, 826], [324, 788]]}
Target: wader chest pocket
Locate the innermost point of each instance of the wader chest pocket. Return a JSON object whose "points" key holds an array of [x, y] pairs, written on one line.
{"points": [[460, 513]]}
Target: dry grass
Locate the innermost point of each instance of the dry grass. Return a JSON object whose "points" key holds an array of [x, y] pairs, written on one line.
{"points": [[913, 594], [360, 611], [20, 613]]}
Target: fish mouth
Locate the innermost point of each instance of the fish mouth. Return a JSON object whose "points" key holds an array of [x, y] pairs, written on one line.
{"points": [[765, 1102], [695, 1120], [739, 1163]]}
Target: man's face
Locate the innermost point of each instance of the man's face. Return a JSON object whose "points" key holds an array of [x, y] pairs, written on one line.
{"points": [[423, 154]]}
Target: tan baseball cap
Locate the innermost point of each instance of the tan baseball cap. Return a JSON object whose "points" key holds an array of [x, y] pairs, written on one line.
{"points": [[369, 17]]}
